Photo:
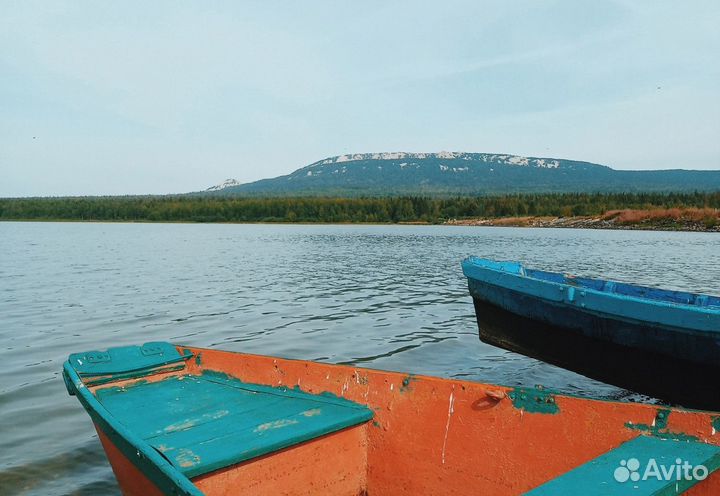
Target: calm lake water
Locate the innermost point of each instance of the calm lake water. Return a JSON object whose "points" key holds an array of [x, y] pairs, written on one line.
{"points": [[390, 297]]}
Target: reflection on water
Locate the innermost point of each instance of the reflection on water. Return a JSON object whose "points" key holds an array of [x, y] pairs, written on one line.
{"points": [[389, 297]]}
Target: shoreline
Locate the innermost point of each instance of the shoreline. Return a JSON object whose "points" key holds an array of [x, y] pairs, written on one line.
{"points": [[698, 212], [576, 222], [591, 222]]}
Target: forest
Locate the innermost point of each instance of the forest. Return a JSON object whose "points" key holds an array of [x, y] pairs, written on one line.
{"points": [[341, 210]]}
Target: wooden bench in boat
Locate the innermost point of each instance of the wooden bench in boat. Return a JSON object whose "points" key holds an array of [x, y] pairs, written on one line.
{"points": [[629, 461], [202, 423]]}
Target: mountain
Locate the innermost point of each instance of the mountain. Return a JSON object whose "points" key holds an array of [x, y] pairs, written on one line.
{"points": [[453, 173], [227, 183]]}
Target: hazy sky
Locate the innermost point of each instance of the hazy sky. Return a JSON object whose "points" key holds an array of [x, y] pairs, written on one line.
{"points": [[163, 97]]}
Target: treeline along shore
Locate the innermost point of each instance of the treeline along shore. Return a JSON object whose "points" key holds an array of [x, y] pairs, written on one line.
{"points": [[669, 210]]}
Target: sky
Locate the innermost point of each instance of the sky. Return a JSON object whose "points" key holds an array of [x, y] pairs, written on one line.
{"points": [[108, 98]]}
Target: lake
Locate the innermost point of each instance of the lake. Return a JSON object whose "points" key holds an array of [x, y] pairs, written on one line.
{"points": [[388, 297]]}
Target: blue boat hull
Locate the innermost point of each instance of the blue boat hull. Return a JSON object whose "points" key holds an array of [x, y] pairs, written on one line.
{"points": [[662, 347], [671, 379], [653, 337]]}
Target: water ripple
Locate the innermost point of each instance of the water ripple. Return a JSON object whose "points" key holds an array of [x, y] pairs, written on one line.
{"points": [[388, 297]]}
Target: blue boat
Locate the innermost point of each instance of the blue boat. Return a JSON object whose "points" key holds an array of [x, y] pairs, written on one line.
{"points": [[662, 343]]}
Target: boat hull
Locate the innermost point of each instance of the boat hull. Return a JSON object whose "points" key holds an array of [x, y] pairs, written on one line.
{"points": [[567, 307], [131, 479], [660, 343], [668, 378], [427, 435]]}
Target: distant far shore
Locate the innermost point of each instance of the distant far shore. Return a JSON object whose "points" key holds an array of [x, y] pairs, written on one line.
{"points": [[674, 219], [651, 211]]}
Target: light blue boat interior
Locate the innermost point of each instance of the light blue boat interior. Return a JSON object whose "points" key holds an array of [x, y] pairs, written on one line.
{"points": [[613, 287], [201, 423]]}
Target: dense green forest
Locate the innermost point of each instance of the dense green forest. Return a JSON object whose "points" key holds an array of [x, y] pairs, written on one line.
{"points": [[315, 209]]}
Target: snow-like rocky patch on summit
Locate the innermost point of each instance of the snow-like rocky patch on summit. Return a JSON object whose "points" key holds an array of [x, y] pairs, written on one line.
{"points": [[227, 183], [512, 160]]}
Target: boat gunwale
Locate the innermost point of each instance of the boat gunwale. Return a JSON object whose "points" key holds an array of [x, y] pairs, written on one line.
{"points": [[197, 350], [437, 378], [476, 271], [616, 285], [522, 272]]}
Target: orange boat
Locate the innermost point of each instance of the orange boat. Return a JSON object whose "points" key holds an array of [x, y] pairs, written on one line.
{"points": [[190, 421]]}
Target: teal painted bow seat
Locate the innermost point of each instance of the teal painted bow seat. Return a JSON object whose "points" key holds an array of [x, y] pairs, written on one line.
{"points": [[597, 477], [201, 423]]}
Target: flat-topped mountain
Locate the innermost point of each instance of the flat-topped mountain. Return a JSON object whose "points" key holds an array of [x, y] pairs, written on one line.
{"points": [[458, 173]]}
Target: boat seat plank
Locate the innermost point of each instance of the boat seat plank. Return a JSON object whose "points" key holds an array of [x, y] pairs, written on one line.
{"points": [[125, 359], [596, 477], [202, 423]]}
